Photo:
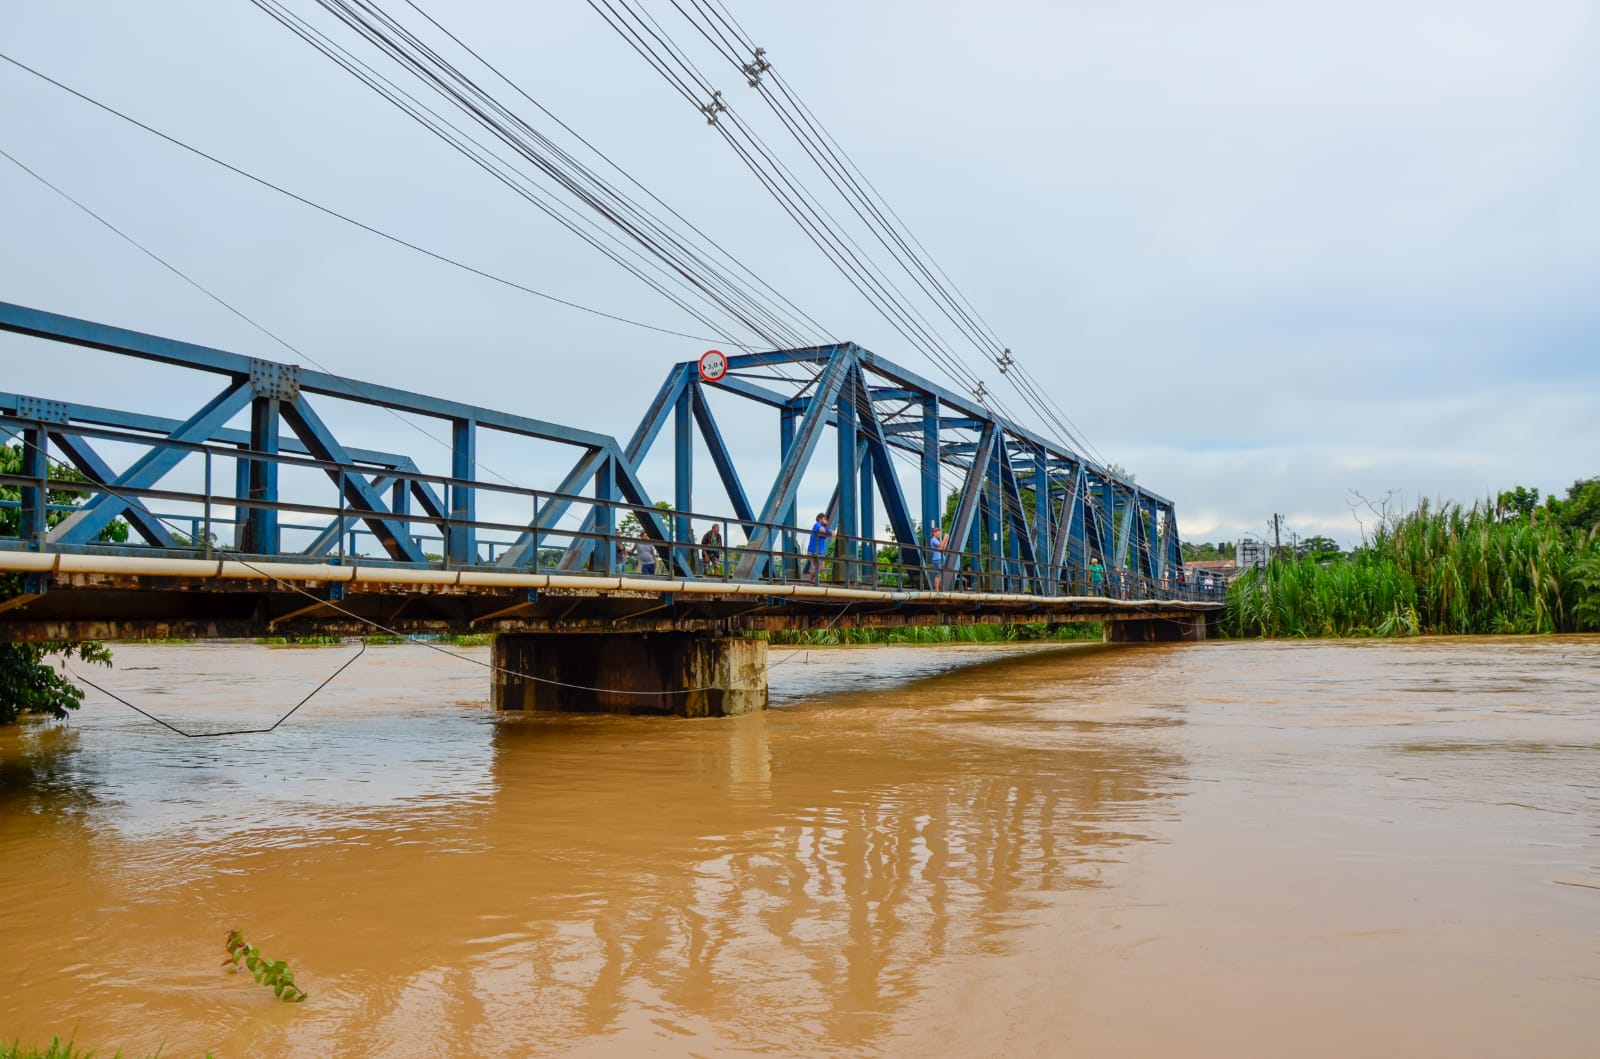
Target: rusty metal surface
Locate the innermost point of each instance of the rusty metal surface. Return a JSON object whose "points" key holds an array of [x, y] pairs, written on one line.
{"points": [[116, 606]]}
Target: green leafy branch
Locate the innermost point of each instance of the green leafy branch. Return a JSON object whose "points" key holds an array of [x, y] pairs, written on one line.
{"points": [[274, 973]]}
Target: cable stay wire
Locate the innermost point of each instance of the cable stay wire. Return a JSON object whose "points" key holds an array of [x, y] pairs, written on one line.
{"points": [[627, 254], [370, 5], [821, 232], [607, 240], [506, 125], [859, 266], [1050, 409], [837, 176], [652, 238], [897, 316], [347, 219], [716, 25], [819, 330], [235, 731], [352, 14], [370, 31]]}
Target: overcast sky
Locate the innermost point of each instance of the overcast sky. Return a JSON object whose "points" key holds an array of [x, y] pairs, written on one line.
{"points": [[1262, 253]]}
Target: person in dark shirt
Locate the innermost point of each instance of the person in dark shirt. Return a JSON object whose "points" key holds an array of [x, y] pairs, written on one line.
{"points": [[711, 551]]}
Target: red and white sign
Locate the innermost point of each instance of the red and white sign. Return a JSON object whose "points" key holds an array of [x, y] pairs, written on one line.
{"points": [[713, 365]]}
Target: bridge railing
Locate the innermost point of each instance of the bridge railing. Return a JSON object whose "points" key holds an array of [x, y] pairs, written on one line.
{"points": [[210, 520]]}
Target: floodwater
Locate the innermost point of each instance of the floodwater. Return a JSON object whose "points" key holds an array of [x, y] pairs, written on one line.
{"points": [[1225, 849]]}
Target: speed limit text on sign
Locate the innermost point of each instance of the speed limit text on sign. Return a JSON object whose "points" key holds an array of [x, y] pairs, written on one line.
{"points": [[713, 365]]}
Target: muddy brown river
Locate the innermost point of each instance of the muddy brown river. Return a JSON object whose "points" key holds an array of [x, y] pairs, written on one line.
{"points": [[1225, 849]]}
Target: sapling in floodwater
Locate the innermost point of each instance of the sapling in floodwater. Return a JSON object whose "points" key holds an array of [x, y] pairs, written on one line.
{"points": [[273, 973]]}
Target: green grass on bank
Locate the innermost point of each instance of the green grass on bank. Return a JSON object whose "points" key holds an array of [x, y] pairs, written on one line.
{"points": [[939, 634], [1446, 570], [56, 1049], [482, 639]]}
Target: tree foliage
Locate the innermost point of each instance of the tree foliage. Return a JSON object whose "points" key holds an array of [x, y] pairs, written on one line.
{"points": [[1581, 508], [28, 682], [11, 516], [1518, 502]]}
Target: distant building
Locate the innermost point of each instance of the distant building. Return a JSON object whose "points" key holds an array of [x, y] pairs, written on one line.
{"points": [[1251, 553], [1210, 574]]}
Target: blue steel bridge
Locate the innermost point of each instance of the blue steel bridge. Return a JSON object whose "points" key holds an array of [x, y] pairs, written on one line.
{"points": [[258, 513]]}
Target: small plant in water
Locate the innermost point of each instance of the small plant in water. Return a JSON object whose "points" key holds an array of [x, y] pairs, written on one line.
{"points": [[274, 973]]}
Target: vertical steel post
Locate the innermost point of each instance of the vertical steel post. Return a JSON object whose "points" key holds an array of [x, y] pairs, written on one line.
{"points": [[791, 547], [462, 544], [849, 524], [399, 503], [339, 499], [683, 477], [1106, 521], [206, 538], [35, 498], [261, 535], [994, 518], [1041, 519], [932, 502], [241, 490], [869, 550], [605, 521], [533, 529]]}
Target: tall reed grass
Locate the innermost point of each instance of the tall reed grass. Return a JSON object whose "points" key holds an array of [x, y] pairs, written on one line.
{"points": [[1436, 570]]}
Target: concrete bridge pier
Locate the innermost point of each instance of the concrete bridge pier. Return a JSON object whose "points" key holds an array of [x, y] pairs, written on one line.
{"points": [[1190, 628], [682, 674]]}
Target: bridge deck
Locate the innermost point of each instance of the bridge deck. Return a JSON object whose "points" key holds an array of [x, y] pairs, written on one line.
{"points": [[117, 597]]}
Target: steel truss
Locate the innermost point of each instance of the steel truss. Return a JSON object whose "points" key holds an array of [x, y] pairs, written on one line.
{"points": [[1030, 516]]}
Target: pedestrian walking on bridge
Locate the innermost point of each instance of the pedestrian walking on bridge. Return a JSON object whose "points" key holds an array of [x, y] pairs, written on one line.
{"points": [[818, 547], [711, 551]]}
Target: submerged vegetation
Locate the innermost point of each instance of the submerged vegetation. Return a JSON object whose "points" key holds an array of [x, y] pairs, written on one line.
{"points": [[274, 974], [1496, 567], [939, 634]]}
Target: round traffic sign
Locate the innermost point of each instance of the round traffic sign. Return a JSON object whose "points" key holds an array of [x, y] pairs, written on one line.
{"points": [[713, 365]]}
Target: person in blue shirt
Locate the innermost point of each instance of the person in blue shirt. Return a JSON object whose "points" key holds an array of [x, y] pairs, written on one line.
{"points": [[935, 556], [818, 546]]}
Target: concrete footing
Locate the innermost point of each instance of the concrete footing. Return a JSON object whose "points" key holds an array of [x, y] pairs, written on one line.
{"points": [[682, 674], [1187, 629]]}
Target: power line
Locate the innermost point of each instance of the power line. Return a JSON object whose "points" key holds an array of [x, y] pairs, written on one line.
{"points": [[716, 25], [646, 235], [607, 242], [823, 231], [336, 214], [820, 330]]}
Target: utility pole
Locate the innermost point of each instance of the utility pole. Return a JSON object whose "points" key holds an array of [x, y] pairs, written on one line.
{"points": [[1277, 526]]}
